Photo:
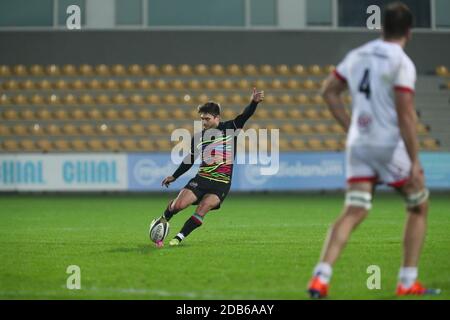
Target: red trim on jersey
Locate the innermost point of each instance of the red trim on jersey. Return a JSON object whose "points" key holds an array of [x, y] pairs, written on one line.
{"points": [[398, 184], [404, 89], [339, 76], [362, 179]]}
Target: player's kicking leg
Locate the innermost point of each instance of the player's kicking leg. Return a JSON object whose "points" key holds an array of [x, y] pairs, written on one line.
{"points": [[358, 202], [184, 199], [416, 197], [208, 202]]}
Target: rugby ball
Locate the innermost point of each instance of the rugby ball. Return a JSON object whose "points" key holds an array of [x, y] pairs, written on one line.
{"points": [[159, 229]]}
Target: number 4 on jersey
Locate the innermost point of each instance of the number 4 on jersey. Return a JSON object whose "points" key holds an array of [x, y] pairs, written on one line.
{"points": [[364, 86]]}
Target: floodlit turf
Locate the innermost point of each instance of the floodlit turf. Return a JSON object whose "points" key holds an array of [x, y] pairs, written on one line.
{"points": [[255, 247]]}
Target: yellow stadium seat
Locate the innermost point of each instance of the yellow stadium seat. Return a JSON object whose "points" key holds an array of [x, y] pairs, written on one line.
{"points": [[194, 84], [61, 114], [276, 84], [87, 99], [78, 145], [422, 129], [70, 99], [283, 70], [61, 85], [286, 99], [162, 114], [260, 84], [177, 84], [20, 129], [44, 145], [201, 70], [94, 114], [110, 84], [261, 113], [266, 70], [304, 128], [178, 113], [27, 114], [61, 145], [20, 70], [429, 144], [315, 70], [318, 100], [145, 144], [70, 129], [53, 99], [309, 85], [78, 84], [36, 129], [69, 70], [129, 144], [185, 70], [44, 114], [228, 114], [298, 144], [5, 71], [161, 84], [27, 145], [302, 99], [288, 128], [236, 99], [284, 145], [250, 70], [4, 130], [151, 69], [234, 70], [120, 99], [170, 99], [112, 145], [278, 114], [20, 99], [162, 145], [170, 127], [45, 85], [120, 70], [10, 85], [102, 70], [128, 114], [299, 70], [202, 98], [294, 114], [329, 68], [10, 145], [293, 84], [28, 85], [315, 144], [144, 84], [4, 99], [153, 99], [311, 113], [86, 70], [193, 114], [336, 128], [227, 84], [137, 129], [111, 114], [95, 145], [53, 130], [95, 84], [78, 114], [52, 70], [321, 128], [442, 71], [104, 129], [36, 70], [326, 114], [127, 84], [168, 69], [217, 70], [154, 128], [102, 99], [332, 144], [10, 114], [270, 99], [210, 84], [120, 129], [144, 114], [87, 129]]}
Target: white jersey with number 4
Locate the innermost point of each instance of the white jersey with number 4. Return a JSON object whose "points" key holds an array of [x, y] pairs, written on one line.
{"points": [[372, 72], [375, 149]]}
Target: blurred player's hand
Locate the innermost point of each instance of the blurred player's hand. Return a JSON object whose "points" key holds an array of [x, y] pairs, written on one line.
{"points": [[167, 181], [257, 96]]}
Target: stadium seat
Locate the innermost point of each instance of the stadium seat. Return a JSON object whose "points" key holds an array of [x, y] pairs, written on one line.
{"points": [[228, 114], [153, 99], [129, 144], [429, 144], [250, 70], [294, 114], [276, 84], [144, 114], [151, 70], [236, 99], [5, 71], [10, 145], [86, 70], [53, 99], [298, 144], [61, 85], [315, 70], [326, 114], [120, 129], [127, 84], [69, 70], [110, 84], [169, 128], [94, 114], [286, 99], [210, 84], [284, 145], [102, 70], [442, 71], [86, 99], [154, 128], [288, 128], [220, 99], [185, 70], [20, 100], [266, 70], [70, 129], [321, 128], [136, 99], [103, 129], [87, 129], [304, 128], [137, 129], [44, 114], [176, 84], [336, 128], [282, 70], [120, 70], [312, 114], [270, 99], [243, 84], [120, 99], [95, 84], [161, 84], [61, 145], [329, 69], [4, 130], [309, 85], [27, 145], [112, 145], [234, 70], [145, 144], [299, 70], [70, 100], [332, 144], [178, 114], [95, 145], [20, 130], [111, 114], [44, 85], [10, 85], [28, 85], [193, 114], [36, 129], [77, 114], [227, 84], [217, 70], [168, 69], [162, 114], [52, 70], [422, 129], [10, 114], [318, 100], [60, 114], [78, 145], [27, 114], [315, 144], [201, 70], [162, 145], [278, 114], [202, 98], [44, 145], [4, 99], [194, 84], [53, 130], [144, 84], [20, 70], [293, 84], [302, 99], [78, 85], [170, 99]]}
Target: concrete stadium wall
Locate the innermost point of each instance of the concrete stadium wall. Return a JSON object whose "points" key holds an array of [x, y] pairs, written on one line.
{"points": [[274, 47]]}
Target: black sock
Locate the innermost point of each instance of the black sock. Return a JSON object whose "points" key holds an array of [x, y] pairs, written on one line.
{"points": [[169, 214], [191, 224]]}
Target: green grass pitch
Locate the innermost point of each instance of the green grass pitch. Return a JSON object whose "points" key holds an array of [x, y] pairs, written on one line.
{"points": [[260, 246]]}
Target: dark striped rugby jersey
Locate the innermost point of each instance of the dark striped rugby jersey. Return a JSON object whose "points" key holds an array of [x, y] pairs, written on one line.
{"points": [[217, 149]]}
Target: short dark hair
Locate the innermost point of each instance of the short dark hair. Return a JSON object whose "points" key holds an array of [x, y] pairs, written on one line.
{"points": [[210, 107], [397, 21]]}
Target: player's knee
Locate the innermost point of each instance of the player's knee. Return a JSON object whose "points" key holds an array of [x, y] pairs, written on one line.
{"points": [[178, 205], [417, 202], [358, 201]]}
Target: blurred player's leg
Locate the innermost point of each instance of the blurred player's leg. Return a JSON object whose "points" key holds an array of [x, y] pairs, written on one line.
{"points": [[357, 204], [416, 196], [184, 199], [208, 202]]}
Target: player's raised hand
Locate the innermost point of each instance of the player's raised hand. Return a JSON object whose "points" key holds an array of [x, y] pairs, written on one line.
{"points": [[167, 181], [257, 96]]}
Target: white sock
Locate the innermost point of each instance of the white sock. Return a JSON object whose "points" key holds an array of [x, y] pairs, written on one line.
{"points": [[324, 271], [180, 235], [407, 276]]}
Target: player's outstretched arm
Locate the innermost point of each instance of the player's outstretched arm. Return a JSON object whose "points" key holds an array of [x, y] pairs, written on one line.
{"points": [[257, 97], [331, 92]]}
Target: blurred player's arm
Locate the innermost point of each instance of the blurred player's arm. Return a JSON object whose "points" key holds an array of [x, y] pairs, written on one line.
{"points": [[257, 97], [331, 92], [185, 165], [407, 121]]}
